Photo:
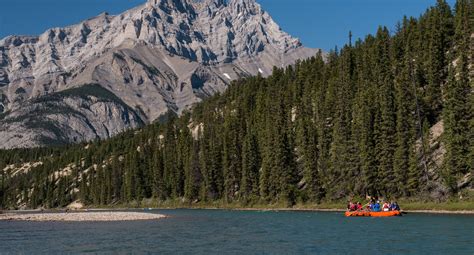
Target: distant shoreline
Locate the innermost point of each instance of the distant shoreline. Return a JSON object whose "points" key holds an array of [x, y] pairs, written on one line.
{"points": [[104, 210], [465, 212]]}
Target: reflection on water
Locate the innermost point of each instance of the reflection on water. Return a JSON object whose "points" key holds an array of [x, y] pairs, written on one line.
{"points": [[232, 232]]}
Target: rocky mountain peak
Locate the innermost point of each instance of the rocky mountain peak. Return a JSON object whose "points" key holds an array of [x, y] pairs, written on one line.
{"points": [[245, 6], [169, 6], [162, 56], [208, 4]]}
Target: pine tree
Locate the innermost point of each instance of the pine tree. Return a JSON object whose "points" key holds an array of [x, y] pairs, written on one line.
{"points": [[364, 116], [405, 156], [385, 120], [439, 30], [250, 167], [193, 174], [170, 162], [267, 180], [211, 165], [284, 169], [158, 182], [231, 155]]}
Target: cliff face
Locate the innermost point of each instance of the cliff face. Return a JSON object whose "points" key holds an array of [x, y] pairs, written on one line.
{"points": [[164, 55]]}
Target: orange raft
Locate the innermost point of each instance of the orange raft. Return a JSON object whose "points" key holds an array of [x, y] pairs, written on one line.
{"points": [[373, 214]]}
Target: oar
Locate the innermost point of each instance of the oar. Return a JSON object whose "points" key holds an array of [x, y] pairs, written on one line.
{"points": [[365, 206]]}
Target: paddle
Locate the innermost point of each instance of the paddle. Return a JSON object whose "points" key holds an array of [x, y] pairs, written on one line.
{"points": [[366, 204]]}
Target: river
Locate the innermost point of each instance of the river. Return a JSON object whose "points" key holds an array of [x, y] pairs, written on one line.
{"points": [[246, 232]]}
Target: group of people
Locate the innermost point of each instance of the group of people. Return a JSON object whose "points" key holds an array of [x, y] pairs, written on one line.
{"points": [[374, 205]]}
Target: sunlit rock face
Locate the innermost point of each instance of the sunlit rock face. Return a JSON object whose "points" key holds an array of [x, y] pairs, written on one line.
{"points": [[162, 56]]}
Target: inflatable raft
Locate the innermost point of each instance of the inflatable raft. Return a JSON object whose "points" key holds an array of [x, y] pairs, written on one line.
{"points": [[373, 214]]}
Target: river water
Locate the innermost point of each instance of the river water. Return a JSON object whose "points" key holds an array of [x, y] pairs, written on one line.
{"points": [[246, 232]]}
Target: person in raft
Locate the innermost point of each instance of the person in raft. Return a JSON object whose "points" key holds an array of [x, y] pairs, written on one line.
{"points": [[354, 206], [394, 206], [373, 206], [376, 207], [351, 206], [370, 206]]}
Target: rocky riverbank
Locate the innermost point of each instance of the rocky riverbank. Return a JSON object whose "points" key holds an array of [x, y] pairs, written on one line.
{"points": [[81, 216]]}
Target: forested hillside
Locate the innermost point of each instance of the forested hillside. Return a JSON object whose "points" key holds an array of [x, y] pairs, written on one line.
{"points": [[358, 122]]}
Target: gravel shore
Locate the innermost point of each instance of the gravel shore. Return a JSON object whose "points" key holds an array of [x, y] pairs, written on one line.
{"points": [[81, 216]]}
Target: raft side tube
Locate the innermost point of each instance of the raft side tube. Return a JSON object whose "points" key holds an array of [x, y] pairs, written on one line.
{"points": [[372, 214]]}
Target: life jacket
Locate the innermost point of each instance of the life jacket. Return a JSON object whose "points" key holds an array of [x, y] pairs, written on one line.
{"points": [[353, 207], [376, 208]]}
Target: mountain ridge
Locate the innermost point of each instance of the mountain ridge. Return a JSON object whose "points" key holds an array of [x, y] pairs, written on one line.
{"points": [[161, 56]]}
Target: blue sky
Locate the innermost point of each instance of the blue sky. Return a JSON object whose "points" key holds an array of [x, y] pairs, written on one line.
{"points": [[318, 23]]}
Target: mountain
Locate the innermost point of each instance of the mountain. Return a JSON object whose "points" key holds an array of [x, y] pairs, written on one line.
{"points": [[112, 73], [361, 121]]}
